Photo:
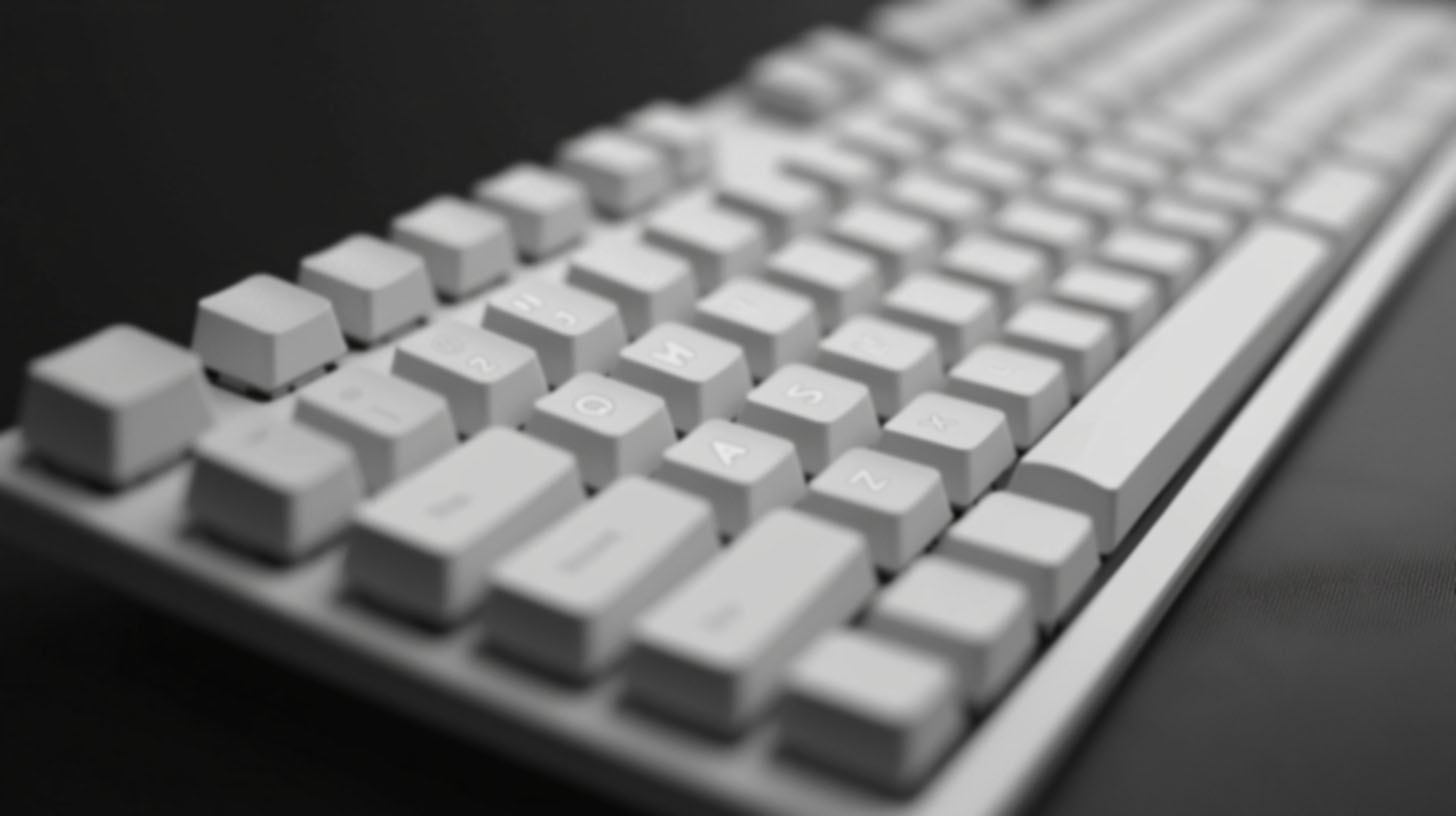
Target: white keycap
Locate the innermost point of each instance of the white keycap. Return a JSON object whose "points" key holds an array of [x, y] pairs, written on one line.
{"points": [[853, 57], [1126, 165], [783, 205], [823, 414], [840, 172], [744, 473], [984, 171], [871, 708], [969, 444], [714, 651], [915, 105], [425, 547], [790, 85], [376, 287], [464, 246], [900, 506], [1028, 140], [649, 285], [894, 362], [1335, 197], [892, 145], [700, 376], [924, 30], [675, 131], [1254, 159], [1084, 342], [1030, 389], [1114, 453], [840, 281], [1090, 195], [393, 426], [774, 326], [1060, 231], [264, 333], [1160, 138], [953, 208], [1222, 190], [1211, 228], [1170, 261], [114, 406], [571, 330], [1014, 271], [567, 599], [486, 378], [547, 211], [1049, 549], [958, 315], [978, 620], [613, 428], [1130, 301], [621, 174], [899, 242], [718, 243], [276, 488]]}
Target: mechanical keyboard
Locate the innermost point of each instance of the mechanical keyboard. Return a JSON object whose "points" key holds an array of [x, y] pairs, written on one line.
{"points": [[828, 445]]}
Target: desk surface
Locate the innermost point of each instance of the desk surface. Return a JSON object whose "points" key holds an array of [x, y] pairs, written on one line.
{"points": [[163, 149]]}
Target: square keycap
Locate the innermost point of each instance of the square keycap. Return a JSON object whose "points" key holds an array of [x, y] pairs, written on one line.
{"points": [[571, 329], [488, 379], [773, 325], [899, 505], [265, 333], [1030, 389], [743, 472], [376, 287], [969, 444], [614, 429], [547, 211], [700, 376], [649, 285], [841, 281], [464, 246], [823, 414], [894, 362]]}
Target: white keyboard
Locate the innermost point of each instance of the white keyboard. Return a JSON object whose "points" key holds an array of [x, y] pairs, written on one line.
{"points": [[827, 446]]}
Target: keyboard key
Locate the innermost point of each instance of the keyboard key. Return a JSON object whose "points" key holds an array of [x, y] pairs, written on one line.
{"points": [[265, 334], [376, 287], [925, 30], [954, 209], [1030, 389], [1028, 140], [567, 599], [1160, 138], [1130, 301], [1105, 200], [393, 426], [613, 428], [840, 281], [882, 139], [570, 329], [1222, 190], [914, 105], [718, 243], [486, 378], [985, 171], [698, 375], [1049, 549], [714, 651], [1083, 341], [900, 506], [744, 473], [842, 173], [900, 243], [675, 131], [792, 86], [823, 414], [853, 58], [1057, 230], [547, 211], [978, 620], [1170, 261], [868, 707], [621, 174], [959, 316], [649, 285], [894, 362], [784, 206], [1334, 197], [115, 406], [1113, 454], [464, 247], [1211, 228], [1014, 271], [774, 326], [1126, 165], [426, 547], [276, 488], [969, 444]]}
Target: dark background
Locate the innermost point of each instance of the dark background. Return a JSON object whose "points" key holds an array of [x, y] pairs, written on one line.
{"points": [[153, 151]]}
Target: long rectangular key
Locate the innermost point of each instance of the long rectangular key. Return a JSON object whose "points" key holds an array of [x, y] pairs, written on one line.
{"points": [[713, 651], [1115, 451], [425, 547]]}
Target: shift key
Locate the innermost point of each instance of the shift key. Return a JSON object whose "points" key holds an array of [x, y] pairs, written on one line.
{"points": [[425, 547]]}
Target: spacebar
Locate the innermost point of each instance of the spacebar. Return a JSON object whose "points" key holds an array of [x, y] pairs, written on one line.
{"points": [[1119, 447]]}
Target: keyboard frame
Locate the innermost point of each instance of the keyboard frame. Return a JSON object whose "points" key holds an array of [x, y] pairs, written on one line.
{"points": [[139, 541]]}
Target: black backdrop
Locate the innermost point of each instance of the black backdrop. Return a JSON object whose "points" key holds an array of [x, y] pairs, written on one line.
{"points": [[155, 150]]}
